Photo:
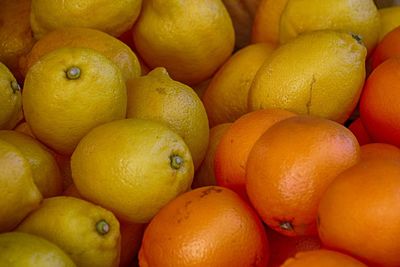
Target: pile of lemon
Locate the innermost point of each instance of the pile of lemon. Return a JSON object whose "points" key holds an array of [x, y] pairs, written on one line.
{"points": [[106, 106]]}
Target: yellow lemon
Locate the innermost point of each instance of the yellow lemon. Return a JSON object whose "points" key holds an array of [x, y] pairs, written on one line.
{"points": [[267, 21], [15, 33], [109, 46], [19, 193], [68, 92], [88, 233], [360, 17], [24, 128], [225, 99], [390, 19], [10, 99], [158, 97], [22, 249], [204, 175], [190, 38], [138, 165], [319, 73], [45, 171], [113, 17]]}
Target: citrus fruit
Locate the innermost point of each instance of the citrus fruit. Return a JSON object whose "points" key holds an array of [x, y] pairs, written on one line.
{"points": [[360, 211], [70, 91], [209, 226], [379, 103], [190, 38], [113, 17], [225, 99], [24, 128], [10, 99], [387, 48], [283, 247], [15, 33], [322, 257], [19, 193], [291, 165], [242, 13], [319, 73], [358, 129], [204, 175], [21, 249], [88, 233], [390, 19], [157, 97], [235, 145], [359, 17], [266, 22], [379, 151], [139, 165], [109, 46], [45, 172]]}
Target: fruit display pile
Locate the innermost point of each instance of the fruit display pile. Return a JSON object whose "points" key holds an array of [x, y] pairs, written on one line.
{"points": [[199, 133]]}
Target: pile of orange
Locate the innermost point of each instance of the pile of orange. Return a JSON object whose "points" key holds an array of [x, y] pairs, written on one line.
{"points": [[190, 133]]}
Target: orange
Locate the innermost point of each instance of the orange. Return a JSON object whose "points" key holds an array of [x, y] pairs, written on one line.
{"points": [[205, 173], [209, 226], [15, 33], [358, 129], [360, 212], [387, 48], [225, 99], [283, 247], [325, 258], [290, 167], [380, 150], [266, 21], [107, 45], [234, 147], [380, 103]]}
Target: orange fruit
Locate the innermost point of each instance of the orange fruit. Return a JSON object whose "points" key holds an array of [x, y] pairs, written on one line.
{"points": [[15, 33], [225, 99], [266, 22], [358, 129], [235, 145], [360, 212], [205, 173], [209, 226], [290, 167], [380, 103], [283, 247], [323, 257], [380, 150], [387, 48]]}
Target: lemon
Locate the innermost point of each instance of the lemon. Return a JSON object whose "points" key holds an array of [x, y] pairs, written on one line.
{"points": [[113, 17], [68, 92], [88, 233], [390, 19], [10, 99], [225, 99], [360, 17], [45, 171], [190, 38], [109, 46], [21, 249], [158, 97], [19, 193], [132, 167], [319, 73]]}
